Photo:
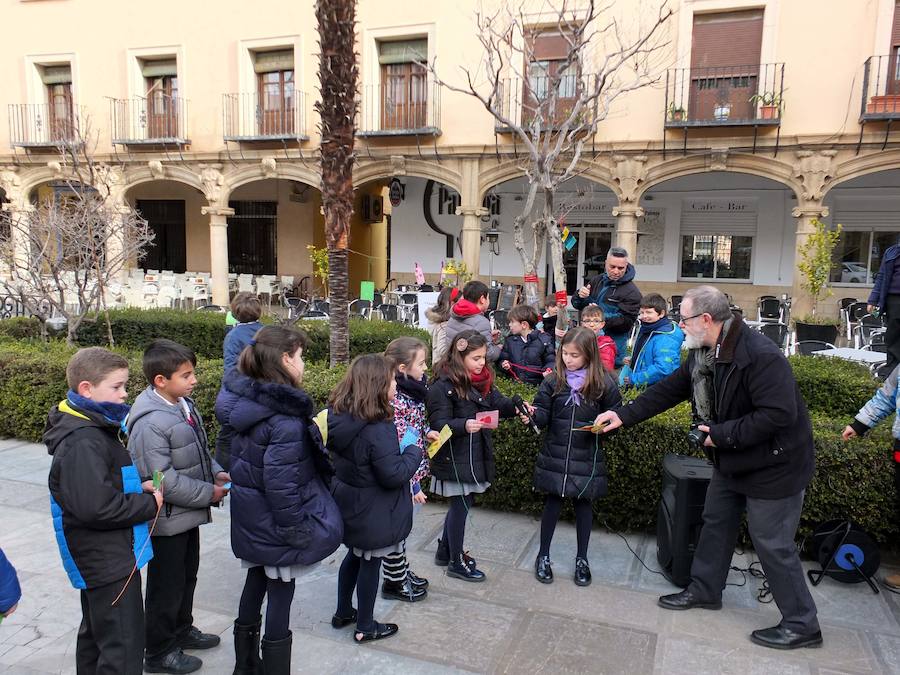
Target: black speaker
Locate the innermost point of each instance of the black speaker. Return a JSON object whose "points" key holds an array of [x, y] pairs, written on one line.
{"points": [[680, 516]]}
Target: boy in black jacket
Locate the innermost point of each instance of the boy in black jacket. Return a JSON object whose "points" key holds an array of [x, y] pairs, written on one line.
{"points": [[528, 354], [100, 512]]}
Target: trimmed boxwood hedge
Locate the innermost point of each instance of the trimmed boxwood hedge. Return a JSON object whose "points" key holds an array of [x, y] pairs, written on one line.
{"points": [[852, 479]]}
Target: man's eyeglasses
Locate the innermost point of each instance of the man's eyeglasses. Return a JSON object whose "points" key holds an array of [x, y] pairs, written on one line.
{"points": [[685, 319]]}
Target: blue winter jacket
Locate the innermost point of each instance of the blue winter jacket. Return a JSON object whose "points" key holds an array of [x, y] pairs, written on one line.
{"points": [[881, 405], [235, 341], [10, 591], [878, 296], [281, 511], [660, 356]]}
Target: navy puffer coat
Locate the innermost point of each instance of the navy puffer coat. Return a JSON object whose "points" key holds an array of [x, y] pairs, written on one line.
{"points": [[371, 484], [281, 510]]}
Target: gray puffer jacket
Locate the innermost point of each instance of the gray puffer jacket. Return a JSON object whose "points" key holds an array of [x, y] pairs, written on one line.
{"points": [[160, 438]]}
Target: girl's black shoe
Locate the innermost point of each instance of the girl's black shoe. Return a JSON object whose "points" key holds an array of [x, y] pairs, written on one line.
{"points": [[442, 554], [343, 621], [459, 569], [416, 580], [382, 630], [542, 570], [402, 590], [582, 572]]}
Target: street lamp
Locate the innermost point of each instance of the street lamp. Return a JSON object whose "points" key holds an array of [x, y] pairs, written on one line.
{"points": [[492, 237]]}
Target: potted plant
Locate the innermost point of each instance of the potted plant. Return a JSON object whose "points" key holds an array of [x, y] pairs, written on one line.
{"points": [[769, 104], [676, 112], [815, 267]]}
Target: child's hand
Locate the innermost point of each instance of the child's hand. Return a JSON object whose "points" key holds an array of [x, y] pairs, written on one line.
{"points": [[849, 432], [495, 336], [223, 477], [419, 497], [627, 360], [548, 371], [157, 495], [147, 486], [560, 333], [432, 436], [505, 365], [219, 493], [473, 426]]}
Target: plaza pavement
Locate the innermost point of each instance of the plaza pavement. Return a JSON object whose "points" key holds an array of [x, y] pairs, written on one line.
{"points": [[509, 624]]}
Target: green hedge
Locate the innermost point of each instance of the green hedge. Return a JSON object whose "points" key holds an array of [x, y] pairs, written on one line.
{"points": [[204, 332], [852, 479]]}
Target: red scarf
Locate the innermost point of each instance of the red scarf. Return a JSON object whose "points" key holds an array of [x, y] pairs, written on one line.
{"points": [[483, 381]]}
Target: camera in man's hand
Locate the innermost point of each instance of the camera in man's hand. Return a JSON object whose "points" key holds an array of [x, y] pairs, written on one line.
{"points": [[696, 438]]}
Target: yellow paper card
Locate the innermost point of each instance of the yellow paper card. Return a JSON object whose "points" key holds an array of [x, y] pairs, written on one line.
{"points": [[443, 437]]}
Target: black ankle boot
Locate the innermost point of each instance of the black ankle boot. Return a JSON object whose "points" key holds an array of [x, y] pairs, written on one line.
{"points": [[543, 572], [402, 590], [442, 554], [276, 655], [459, 569], [582, 572], [416, 580], [246, 649]]}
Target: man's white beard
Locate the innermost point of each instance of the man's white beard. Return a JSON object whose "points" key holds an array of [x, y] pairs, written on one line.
{"points": [[693, 341]]}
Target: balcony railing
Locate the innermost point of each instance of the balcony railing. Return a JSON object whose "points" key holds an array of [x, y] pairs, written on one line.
{"points": [[154, 120], [245, 119], [36, 125], [725, 96], [523, 102], [393, 110], [881, 88]]}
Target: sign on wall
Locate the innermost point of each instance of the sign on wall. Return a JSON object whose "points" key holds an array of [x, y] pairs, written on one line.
{"points": [[651, 238]]}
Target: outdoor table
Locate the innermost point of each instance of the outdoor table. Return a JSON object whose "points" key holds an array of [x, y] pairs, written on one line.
{"points": [[865, 356], [756, 325]]}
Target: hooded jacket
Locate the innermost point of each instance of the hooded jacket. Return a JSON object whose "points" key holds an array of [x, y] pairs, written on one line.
{"points": [[100, 514], [535, 351], [10, 591], [160, 438], [885, 277], [571, 463], [659, 356], [620, 301], [439, 339], [371, 484], [763, 436], [465, 315], [281, 511]]}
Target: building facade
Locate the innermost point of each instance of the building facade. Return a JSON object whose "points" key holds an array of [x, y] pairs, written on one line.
{"points": [[766, 114]]}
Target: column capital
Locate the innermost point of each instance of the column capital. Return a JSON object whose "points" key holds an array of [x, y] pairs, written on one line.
{"points": [[18, 207], [216, 211], [628, 210], [810, 211], [471, 210]]}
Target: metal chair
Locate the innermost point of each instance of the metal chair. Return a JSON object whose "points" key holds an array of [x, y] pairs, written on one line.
{"points": [[865, 327], [500, 320], [877, 342], [321, 306], [776, 332], [854, 312], [807, 347], [361, 308], [769, 309], [389, 312]]}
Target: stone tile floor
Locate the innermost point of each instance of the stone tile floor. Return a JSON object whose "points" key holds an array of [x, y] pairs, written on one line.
{"points": [[509, 624]]}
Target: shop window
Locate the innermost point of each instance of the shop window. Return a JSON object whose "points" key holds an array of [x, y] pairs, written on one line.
{"points": [[857, 256], [716, 256]]}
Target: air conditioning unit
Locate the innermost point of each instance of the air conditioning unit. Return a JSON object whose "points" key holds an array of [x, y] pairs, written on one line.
{"points": [[372, 208]]}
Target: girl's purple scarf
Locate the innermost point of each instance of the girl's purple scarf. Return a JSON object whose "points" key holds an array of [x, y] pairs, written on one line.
{"points": [[575, 379]]}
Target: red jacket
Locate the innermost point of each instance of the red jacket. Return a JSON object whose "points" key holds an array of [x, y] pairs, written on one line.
{"points": [[607, 348]]}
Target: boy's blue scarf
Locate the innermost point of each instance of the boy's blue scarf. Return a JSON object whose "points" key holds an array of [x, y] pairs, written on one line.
{"points": [[116, 413]]}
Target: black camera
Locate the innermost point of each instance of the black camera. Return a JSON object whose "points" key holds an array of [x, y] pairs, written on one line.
{"points": [[695, 437]]}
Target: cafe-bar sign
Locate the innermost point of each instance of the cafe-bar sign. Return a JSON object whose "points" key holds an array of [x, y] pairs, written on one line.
{"points": [[721, 205]]}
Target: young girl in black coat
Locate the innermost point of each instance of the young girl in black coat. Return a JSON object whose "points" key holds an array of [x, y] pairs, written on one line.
{"points": [[464, 466], [571, 462], [371, 487]]}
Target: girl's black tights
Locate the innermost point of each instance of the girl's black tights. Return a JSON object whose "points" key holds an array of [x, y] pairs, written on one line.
{"points": [[278, 610], [455, 524], [363, 575], [583, 521]]}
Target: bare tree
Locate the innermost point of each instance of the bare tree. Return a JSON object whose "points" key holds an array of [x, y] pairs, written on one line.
{"points": [[62, 257], [337, 107], [554, 115]]}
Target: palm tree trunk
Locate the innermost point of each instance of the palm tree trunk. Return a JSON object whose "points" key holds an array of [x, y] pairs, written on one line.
{"points": [[338, 74]]}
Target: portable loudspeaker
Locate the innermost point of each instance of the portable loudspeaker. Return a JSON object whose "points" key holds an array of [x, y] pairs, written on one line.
{"points": [[680, 516]]}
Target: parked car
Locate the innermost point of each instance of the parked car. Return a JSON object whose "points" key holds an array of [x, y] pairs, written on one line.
{"points": [[854, 273]]}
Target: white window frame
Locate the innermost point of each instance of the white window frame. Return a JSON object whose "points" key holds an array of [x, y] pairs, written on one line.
{"points": [[714, 279], [247, 82], [35, 90], [137, 85]]}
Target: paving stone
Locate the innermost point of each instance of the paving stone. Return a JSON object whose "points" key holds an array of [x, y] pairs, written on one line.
{"points": [[887, 648], [853, 605], [610, 605], [675, 654], [11, 444], [556, 644], [467, 633], [498, 537]]}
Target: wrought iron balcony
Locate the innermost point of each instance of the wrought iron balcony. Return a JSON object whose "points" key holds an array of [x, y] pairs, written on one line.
{"points": [[154, 120], [37, 125], [726, 96], [546, 100], [245, 119], [400, 109], [881, 88]]}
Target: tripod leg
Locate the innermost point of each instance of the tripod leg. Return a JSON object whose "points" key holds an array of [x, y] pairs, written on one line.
{"points": [[852, 560]]}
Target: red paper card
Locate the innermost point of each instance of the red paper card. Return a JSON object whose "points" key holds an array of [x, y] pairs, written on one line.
{"points": [[490, 418]]}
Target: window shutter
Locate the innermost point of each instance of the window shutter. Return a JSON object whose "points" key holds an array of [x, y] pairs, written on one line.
{"points": [[159, 68], [727, 39], [402, 51], [549, 46], [271, 62], [895, 32], [56, 74]]}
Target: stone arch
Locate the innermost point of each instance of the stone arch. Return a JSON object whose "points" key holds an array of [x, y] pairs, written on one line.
{"points": [[177, 174], [858, 167], [386, 169], [34, 178], [291, 171], [754, 165], [510, 170]]}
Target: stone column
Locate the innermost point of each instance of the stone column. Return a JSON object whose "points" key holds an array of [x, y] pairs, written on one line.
{"points": [[626, 227], [801, 300], [116, 262], [470, 237], [218, 252], [19, 214]]}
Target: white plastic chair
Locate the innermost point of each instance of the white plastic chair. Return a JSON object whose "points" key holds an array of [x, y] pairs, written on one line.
{"points": [[245, 283], [264, 288]]}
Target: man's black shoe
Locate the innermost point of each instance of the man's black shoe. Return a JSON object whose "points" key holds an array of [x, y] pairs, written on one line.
{"points": [[402, 590], [176, 661], [461, 569], [543, 572], [195, 639], [686, 600], [779, 637]]}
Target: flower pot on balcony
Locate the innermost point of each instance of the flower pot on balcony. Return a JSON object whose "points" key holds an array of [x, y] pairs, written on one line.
{"points": [[768, 112], [888, 103], [677, 115]]}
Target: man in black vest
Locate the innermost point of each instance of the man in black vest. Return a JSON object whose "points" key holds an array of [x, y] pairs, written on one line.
{"points": [[755, 429]]}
